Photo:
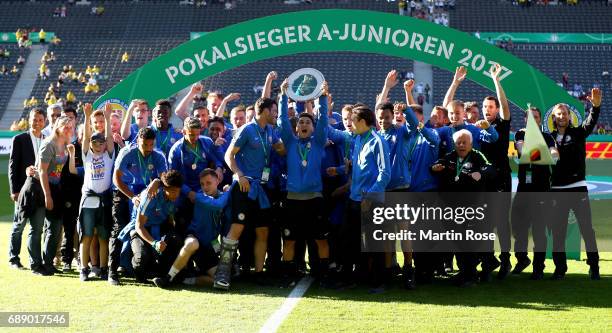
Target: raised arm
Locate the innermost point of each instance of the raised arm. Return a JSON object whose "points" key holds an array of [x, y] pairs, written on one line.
{"points": [[411, 121], [182, 109], [108, 133], [223, 105], [87, 110], [460, 73], [283, 119], [127, 121], [408, 86], [390, 82], [501, 95], [266, 92], [320, 133], [71, 159], [591, 120]]}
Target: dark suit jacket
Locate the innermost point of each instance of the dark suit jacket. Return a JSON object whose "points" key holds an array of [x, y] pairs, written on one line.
{"points": [[22, 156]]}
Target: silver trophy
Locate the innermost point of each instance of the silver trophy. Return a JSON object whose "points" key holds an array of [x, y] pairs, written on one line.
{"points": [[305, 84]]}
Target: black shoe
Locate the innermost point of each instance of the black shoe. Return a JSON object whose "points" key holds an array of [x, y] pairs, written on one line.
{"points": [[536, 275], [521, 265], [52, 269], [162, 282], [594, 273], [487, 268], [41, 271], [408, 278], [16, 264], [261, 279], [104, 273], [558, 275], [504, 270]]}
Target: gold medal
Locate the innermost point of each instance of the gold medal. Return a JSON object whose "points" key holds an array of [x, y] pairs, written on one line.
{"points": [[304, 163], [193, 166], [456, 178]]}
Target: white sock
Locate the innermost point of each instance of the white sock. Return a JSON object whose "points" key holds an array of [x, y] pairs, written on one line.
{"points": [[173, 271]]}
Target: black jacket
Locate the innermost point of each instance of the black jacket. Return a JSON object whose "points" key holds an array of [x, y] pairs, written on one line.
{"points": [[22, 156], [462, 181], [571, 167]]}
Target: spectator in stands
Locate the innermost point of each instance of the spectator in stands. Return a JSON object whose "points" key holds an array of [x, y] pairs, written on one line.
{"points": [[21, 60], [565, 80], [92, 86], [14, 70], [403, 7], [125, 57], [70, 98], [56, 12], [43, 71], [42, 36], [55, 40], [601, 129], [63, 11], [30, 103]]}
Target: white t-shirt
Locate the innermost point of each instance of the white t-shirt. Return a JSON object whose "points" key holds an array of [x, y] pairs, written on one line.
{"points": [[98, 172]]}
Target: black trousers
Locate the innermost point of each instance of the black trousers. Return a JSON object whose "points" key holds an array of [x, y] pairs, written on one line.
{"points": [[576, 199], [71, 214], [529, 211], [352, 261], [502, 208], [121, 217], [147, 262]]}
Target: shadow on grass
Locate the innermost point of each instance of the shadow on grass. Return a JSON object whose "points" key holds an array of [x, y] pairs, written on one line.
{"points": [[516, 292]]}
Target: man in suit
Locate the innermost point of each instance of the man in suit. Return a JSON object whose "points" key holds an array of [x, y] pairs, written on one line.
{"points": [[23, 156]]}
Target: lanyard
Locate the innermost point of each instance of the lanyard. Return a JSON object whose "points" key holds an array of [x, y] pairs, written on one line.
{"points": [[163, 144], [143, 168], [365, 140], [460, 165], [263, 143], [416, 140], [304, 153], [347, 144], [195, 152]]}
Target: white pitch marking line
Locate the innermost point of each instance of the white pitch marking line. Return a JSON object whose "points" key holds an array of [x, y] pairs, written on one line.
{"points": [[277, 318]]}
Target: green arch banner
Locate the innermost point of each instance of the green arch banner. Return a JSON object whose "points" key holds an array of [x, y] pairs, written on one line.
{"points": [[338, 30]]}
